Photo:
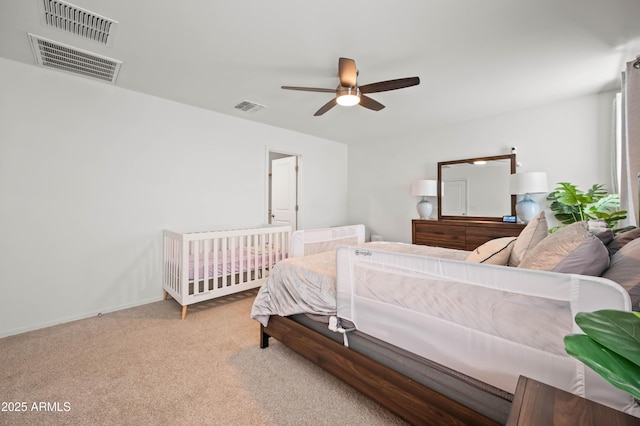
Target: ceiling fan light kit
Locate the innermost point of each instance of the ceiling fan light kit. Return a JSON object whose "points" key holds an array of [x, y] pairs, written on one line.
{"points": [[348, 96], [348, 93]]}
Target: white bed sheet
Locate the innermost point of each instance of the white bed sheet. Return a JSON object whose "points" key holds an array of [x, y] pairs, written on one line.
{"points": [[308, 284]]}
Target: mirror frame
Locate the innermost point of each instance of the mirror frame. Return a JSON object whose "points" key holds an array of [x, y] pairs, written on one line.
{"points": [[511, 157]]}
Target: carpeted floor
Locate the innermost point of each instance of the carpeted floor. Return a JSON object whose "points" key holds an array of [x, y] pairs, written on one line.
{"points": [[145, 366]]}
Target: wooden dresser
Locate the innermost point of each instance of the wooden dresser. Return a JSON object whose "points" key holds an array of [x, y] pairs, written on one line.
{"points": [[460, 234]]}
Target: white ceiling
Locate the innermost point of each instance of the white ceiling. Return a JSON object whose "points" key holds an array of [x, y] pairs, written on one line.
{"points": [[474, 57]]}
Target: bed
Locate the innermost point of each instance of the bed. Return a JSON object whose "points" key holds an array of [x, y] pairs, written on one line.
{"points": [[409, 349], [201, 265]]}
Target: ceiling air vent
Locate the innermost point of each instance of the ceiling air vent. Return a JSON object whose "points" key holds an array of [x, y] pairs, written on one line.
{"points": [[75, 20], [56, 55], [247, 106]]}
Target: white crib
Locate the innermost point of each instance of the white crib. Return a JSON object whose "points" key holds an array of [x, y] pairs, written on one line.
{"points": [[202, 265]]}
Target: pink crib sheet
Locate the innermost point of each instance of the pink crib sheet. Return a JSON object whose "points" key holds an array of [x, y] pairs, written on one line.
{"points": [[249, 259]]}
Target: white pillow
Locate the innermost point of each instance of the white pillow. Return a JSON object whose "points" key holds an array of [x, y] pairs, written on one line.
{"points": [[494, 252]]}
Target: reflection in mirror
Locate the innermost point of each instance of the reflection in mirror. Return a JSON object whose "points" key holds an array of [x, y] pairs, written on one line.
{"points": [[476, 188]]}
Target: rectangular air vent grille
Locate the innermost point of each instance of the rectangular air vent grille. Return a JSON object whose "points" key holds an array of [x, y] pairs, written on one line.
{"points": [[248, 106], [78, 21], [56, 55]]}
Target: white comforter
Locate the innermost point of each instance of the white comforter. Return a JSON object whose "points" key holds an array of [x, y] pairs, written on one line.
{"points": [[308, 284]]}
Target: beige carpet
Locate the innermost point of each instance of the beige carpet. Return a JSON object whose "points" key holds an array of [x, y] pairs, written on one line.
{"points": [[145, 366]]}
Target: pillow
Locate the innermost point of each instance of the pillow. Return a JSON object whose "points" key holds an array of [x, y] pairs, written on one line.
{"points": [[529, 237], [625, 270], [572, 250], [621, 239], [600, 229], [494, 252]]}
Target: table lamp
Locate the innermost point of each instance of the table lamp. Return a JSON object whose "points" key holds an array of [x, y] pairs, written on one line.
{"points": [[425, 188], [526, 184]]}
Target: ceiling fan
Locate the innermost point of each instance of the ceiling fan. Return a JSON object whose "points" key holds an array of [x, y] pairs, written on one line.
{"points": [[348, 93]]}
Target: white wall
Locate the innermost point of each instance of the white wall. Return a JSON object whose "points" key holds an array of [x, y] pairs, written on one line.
{"points": [[569, 140], [90, 174]]}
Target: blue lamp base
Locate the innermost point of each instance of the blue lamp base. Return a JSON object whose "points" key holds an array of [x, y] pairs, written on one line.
{"points": [[527, 209], [425, 208]]}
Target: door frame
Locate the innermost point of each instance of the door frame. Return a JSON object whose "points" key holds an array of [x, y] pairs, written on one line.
{"points": [[464, 198], [267, 184]]}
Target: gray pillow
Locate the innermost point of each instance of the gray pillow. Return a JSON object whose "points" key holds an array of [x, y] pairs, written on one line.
{"points": [[599, 229], [572, 250], [532, 234], [621, 239], [625, 270]]}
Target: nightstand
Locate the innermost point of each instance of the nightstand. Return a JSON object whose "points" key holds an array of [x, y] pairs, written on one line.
{"points": [[536, 403]]}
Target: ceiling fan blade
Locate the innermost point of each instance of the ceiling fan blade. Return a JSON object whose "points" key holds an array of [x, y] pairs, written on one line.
{"points": [[309, 89], [383, 86], [347, 72], [367, 102], [326, 107]]}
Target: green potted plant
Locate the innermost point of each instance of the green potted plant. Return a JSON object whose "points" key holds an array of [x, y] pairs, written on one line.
{"points": [[570, 205], [610, 346]]}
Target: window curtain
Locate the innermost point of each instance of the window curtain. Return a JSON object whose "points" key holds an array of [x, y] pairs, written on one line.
{"points": [[630, 144]]}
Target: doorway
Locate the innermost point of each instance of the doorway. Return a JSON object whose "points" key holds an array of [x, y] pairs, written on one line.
{"points": [[455, 202], [283, 198]]}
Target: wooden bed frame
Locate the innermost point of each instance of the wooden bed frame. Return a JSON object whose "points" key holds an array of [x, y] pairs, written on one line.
{"points": [[403, 396]]}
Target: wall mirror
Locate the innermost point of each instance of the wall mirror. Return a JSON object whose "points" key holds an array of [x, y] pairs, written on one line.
{"points": [[476, 188]]}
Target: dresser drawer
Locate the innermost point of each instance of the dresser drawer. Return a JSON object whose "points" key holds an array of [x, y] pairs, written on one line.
{"points": [[478, 235], [439, 235], [461, 235]]}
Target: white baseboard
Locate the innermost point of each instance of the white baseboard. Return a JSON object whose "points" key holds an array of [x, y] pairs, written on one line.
{"points": [[38, 326]]}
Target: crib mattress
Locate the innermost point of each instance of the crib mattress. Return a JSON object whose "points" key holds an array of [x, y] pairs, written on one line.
{"points": [[231, 262]]}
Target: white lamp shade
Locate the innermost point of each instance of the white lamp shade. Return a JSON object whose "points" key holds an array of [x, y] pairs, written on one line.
{"points": [[425, 188], [528, 183]]}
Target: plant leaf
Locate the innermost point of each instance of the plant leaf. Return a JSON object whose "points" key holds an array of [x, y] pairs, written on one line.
{"points": [[618, 331], [574, 199], [615, 369], [570, 204], [610, 202], [596, 192]]}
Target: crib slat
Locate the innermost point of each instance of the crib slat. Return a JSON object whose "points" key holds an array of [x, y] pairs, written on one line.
{"points": [[184, 272], [232, 271], [206, 261], [216, 262], [271, 257], [256, 254], [195, 252], [172, 265], [242, 277], [225, 259], [178, 267], [176, 256], [266, 260]]}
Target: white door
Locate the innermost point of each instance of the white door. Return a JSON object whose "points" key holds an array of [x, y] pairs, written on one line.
{"points": [[454, 200], [284, 191]]}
